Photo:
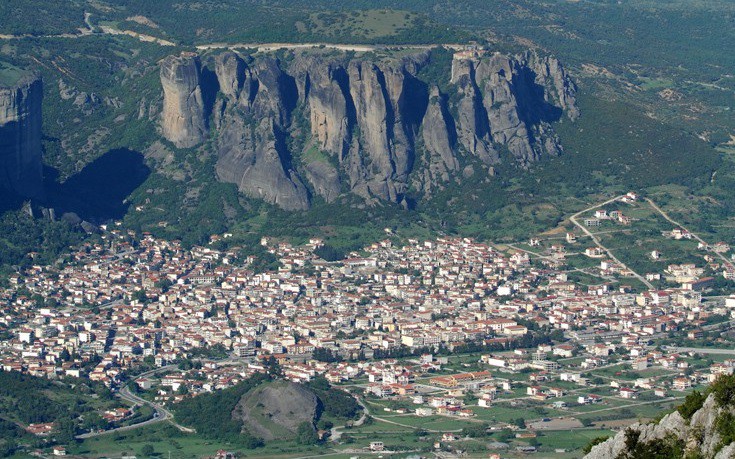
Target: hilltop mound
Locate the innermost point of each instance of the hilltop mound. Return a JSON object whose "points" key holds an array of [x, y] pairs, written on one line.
{"points": [[276, 410]]}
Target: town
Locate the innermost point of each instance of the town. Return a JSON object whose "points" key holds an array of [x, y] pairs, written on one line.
{"points": [[439, 329]]}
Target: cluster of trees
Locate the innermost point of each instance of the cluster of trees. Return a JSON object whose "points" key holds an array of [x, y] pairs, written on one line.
{"points": [[595, 441], [28, 399], [10, 436], [71, 404], [329, 253], [324, 354], [723, 389], [692, 403], [214, 352], [39, 17], [306, 435], [23, 234], [334, 402], [285, 21], [210, 415], [668, 447], [530, 339]]}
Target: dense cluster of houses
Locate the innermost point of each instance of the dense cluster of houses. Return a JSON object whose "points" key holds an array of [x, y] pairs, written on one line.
{"points": [[130, 301]]}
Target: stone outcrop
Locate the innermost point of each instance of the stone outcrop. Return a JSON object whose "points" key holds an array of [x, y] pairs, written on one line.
{"points": [[276, 410], [252, 141], [21, 168], [440, 139], [325, 123], [184, 120], [698, 434]]}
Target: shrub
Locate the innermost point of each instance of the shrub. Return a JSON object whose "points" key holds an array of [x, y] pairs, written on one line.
{"points": [[691, 405], [724, 390], [593, 443]]}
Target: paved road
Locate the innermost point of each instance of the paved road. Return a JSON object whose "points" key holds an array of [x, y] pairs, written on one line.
{"points": [[162, 414], [336, 432], [545, 257], [694, 235], [700, 350], [573, 219]]}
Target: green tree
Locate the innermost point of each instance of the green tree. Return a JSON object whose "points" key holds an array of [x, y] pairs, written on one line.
{"points": [[306, 435], [140, 295], [724, 390], [692, 403], [595, 441], [147, 450], [273, 367], [66, 430], [164, 284]]}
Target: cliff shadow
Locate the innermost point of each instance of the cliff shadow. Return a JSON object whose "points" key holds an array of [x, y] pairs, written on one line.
{"points": [[99, 191], [9, 201], [210, 87], [535, 108]]}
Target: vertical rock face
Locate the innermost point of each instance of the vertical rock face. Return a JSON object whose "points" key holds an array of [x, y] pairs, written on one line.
{"points": [[230, 70], [21, 169], [439, 137], [331, 116], [698, 435], [183, 120], [383, 147], [252, 143], [472, 124], [325, 124], [551, 74]]}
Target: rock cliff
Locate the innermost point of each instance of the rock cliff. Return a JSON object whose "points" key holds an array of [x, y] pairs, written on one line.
{"points": [[184, 121], [697, 435], [21, 169], [325, 123]]}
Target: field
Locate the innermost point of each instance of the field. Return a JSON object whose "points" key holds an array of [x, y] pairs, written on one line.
{"points": [[165, 438], [368, 25]]}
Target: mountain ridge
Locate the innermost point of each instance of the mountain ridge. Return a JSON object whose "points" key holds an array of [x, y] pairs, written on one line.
{"points": [[375, 128]]}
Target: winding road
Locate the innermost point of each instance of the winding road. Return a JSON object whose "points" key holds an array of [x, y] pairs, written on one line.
{"points": [[573, 219], [336, 432], [161, 413], [675, 223]]}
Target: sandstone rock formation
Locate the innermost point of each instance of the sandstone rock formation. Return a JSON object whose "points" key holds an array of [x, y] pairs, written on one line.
{"points": [[21, 168], [325, 123], [184, 121], [252, 141]]}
